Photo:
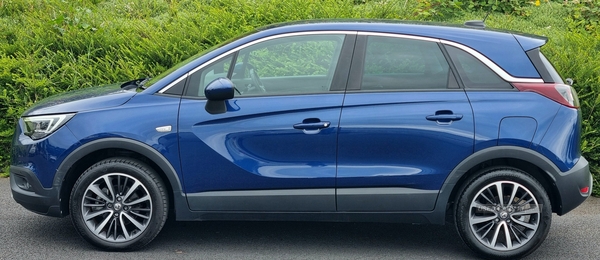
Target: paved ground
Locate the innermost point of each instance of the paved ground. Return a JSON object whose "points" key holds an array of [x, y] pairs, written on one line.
{"points": [[26, 235]]}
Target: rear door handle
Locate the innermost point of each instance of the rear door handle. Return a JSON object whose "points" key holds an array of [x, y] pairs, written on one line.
{"points": [[312, 125], [453, 117], [444, 117]]}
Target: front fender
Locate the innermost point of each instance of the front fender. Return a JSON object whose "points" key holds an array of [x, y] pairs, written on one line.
{"points": [[123, 144]]}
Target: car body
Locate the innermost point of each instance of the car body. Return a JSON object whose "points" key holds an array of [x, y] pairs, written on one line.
{"points": [[378, 121]]}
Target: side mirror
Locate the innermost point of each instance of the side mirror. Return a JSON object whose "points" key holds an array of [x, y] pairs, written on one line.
{"points": [[217, 91]]}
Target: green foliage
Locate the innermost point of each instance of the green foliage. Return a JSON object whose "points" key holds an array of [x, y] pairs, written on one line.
{"points": [[584, 15], [445, 9], [575, 55], [52, 46], [438, 9], [514, 7], [585, 71]]}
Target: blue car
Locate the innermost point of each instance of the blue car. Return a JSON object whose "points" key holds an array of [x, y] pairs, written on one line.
{"points": [[363, 121]]}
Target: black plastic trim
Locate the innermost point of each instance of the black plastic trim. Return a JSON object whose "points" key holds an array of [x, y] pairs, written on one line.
{"points": [[358, 62], [563, 180], [390, 199], [35, 198], [453, 68], [342, 69], [570, 183], [380, 217], [293, 200], [534, 56], [180, 203]]}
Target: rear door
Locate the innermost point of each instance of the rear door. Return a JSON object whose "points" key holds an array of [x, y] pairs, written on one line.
{"points": [[405, 125], [274, 149]]}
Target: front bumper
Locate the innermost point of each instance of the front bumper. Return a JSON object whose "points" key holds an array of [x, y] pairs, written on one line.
{"points": [[569, 185], [29, 192]]}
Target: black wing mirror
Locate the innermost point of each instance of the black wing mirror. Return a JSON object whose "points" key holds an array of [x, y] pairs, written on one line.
{"points": [[217, 91]]}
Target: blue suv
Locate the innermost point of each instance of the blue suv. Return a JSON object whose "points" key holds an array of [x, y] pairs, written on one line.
{"points": [[323, 121]]}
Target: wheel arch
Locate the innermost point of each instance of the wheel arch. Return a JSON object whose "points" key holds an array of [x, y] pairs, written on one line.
{"points": [[527, 160], [86, 155]]}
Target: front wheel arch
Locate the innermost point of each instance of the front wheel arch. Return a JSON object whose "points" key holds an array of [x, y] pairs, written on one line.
{"points": [[92, 152]]}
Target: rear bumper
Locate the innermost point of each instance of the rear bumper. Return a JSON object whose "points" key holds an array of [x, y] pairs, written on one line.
{"points": [[28, 191], [570, 183]]}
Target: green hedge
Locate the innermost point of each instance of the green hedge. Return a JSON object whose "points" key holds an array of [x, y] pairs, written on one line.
{"points": [[51, 46]]}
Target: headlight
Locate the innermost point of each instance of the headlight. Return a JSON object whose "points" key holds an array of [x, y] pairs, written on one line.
{"points": [[38, 127]]}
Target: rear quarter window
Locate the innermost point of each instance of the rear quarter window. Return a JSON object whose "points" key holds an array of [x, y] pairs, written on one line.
{"points": [[474, 73]]}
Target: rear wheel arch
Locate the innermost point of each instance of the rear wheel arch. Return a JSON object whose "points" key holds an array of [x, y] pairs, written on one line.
{"points": [[523, 159], [90, 153]]}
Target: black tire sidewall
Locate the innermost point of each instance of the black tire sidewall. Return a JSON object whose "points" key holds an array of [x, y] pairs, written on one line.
{"points": [[504, 174], [137, 170]]}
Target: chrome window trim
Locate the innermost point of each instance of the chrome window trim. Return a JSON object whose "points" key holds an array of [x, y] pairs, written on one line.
{"points": [[412, 37], [501, 72]]}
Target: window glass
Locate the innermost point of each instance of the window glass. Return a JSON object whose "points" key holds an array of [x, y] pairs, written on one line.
{"points": [[474, 73], [398, 64], [555, 76], [288, 65], [201, 78]]}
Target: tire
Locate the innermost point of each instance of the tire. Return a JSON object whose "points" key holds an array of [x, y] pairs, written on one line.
{"points": [[503, 229], [125, 215]]}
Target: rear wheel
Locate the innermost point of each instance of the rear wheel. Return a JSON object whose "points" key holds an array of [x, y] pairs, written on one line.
{"points": [[503, 213], [119, 204]]}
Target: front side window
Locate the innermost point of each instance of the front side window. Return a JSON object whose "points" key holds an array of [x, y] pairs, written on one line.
{"points": [[282, 66], [289, 65], [199, 79], [405, 64]]}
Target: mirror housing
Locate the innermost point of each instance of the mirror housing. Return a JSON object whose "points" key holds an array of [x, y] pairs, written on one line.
{"points": [[217, 91]]}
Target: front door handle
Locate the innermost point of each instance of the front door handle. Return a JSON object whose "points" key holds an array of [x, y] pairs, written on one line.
{"points": [[312, 125]]}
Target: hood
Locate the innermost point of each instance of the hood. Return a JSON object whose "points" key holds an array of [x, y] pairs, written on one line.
{"points": [[82, 100]]}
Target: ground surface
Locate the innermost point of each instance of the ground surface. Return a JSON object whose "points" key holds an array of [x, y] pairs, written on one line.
{"points": [[26, 235]]}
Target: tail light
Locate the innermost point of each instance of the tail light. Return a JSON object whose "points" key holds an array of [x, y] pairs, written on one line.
{"points": [[561, 93]]}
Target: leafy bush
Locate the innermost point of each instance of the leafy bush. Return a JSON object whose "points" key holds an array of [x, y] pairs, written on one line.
{"points": [[438, 9], [584, 15], [571, 56], [450, 8], [51, 46]]}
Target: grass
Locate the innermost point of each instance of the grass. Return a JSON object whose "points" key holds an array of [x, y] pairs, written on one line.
{"points": [[51, 46]]}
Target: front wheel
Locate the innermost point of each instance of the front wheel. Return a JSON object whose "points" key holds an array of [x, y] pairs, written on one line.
{"points": [[119, 204], [503, 213]]}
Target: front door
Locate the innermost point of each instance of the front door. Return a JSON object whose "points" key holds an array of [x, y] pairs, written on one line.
{"points": [[274, 149]]}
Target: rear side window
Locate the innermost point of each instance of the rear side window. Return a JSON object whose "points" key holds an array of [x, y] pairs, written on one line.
{"points": [[473, 73], [392, 63]]}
